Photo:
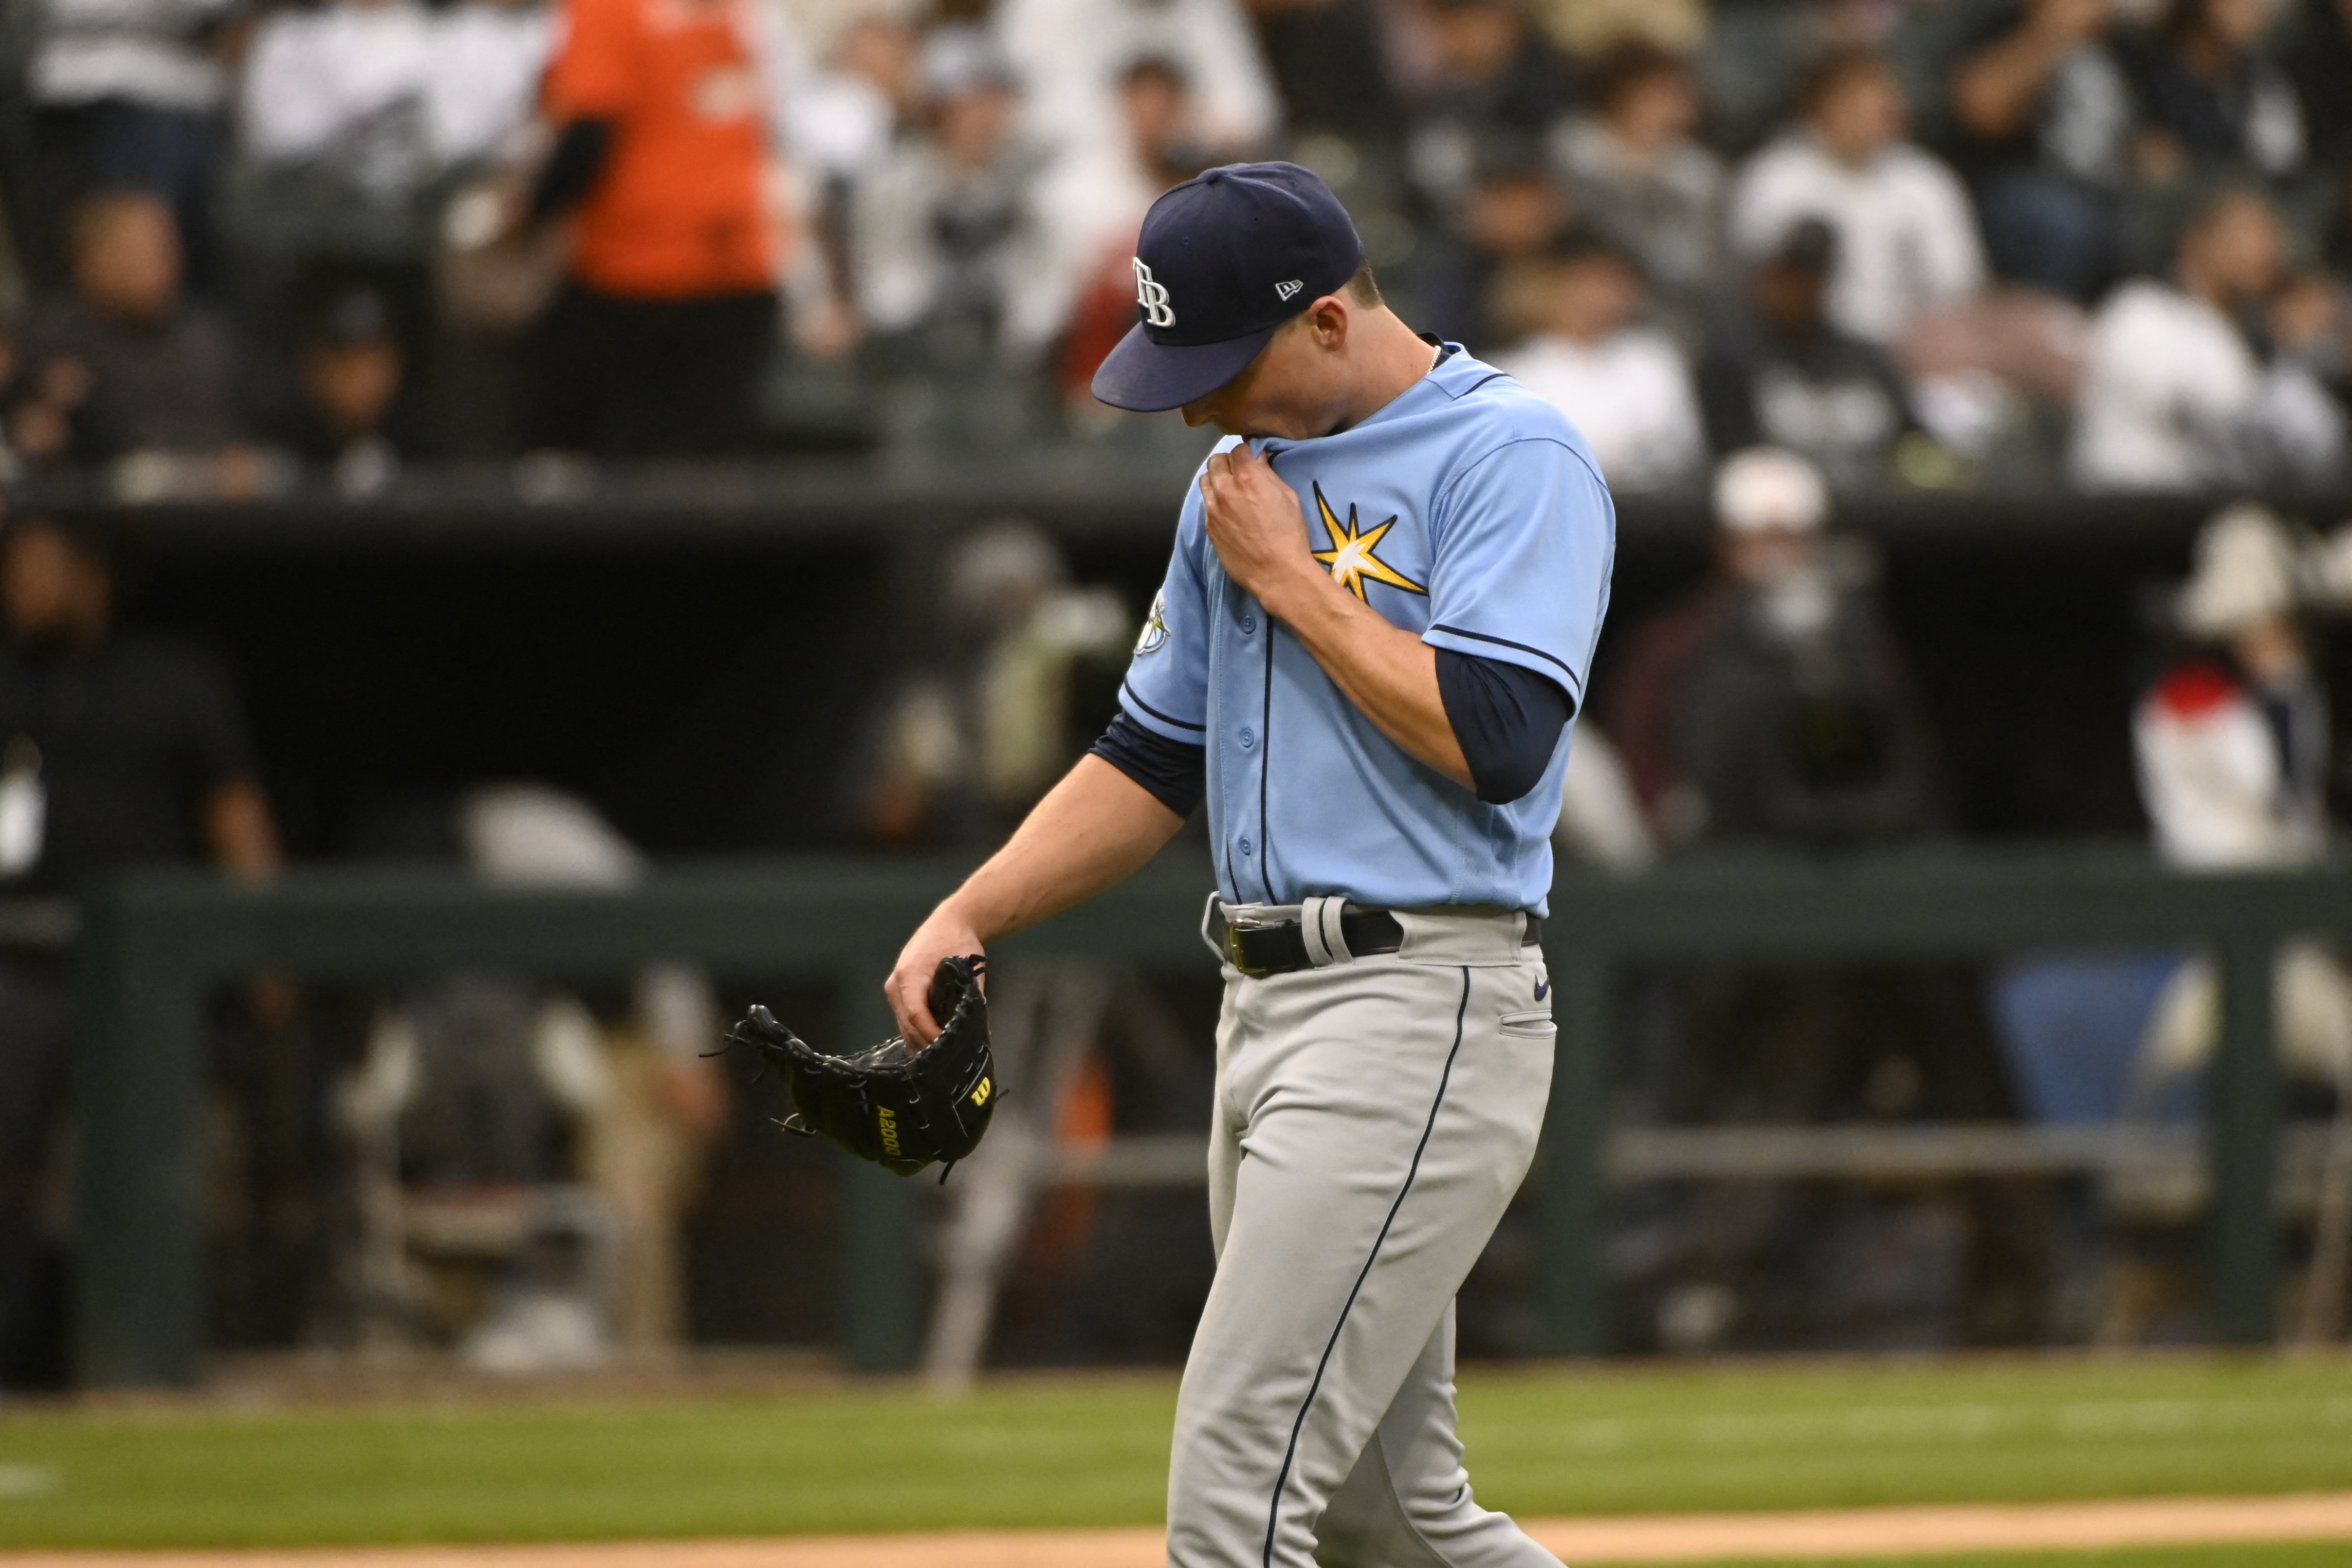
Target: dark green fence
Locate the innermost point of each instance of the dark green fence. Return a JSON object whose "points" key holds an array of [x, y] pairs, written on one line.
{"points": [[154, 944]]}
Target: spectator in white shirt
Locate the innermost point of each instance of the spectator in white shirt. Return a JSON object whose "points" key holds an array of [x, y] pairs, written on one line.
{"points": [[345, 84], [487, 57], [1907, 237], [951, 247], [357, 119], [1624, 385], [2175, 396], [1098, 199], [1069, 55], [1096, 195], [390, 90], [2233, 741], [849, 93]]}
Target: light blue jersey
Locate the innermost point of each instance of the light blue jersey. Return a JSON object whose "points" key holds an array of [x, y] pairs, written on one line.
{"points": [[1468, 512]]}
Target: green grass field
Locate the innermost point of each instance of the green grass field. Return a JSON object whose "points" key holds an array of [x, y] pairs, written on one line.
{"points": [[1094, 1452]]}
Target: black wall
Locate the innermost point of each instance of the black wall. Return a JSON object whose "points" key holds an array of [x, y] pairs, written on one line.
{"points": [[701, 675]]}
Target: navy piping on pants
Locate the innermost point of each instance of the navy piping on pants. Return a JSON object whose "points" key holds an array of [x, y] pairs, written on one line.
{"points": [[1290, 1454]]}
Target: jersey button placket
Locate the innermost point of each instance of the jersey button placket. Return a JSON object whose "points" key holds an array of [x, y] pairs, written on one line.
{"points": [[1249, 738]]}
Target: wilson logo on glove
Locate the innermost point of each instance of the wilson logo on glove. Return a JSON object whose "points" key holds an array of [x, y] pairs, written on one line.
{"points": [[901, 1109]]}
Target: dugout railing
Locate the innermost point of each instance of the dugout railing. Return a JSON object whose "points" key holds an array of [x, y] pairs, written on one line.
{"points": [[154, 945]]}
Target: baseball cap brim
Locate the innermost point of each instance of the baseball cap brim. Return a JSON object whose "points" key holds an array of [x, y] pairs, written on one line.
{"points": [[1145, 377]]}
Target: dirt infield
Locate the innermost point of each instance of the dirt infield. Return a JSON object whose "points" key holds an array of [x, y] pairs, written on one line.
{"points": [[1853, 1533]]}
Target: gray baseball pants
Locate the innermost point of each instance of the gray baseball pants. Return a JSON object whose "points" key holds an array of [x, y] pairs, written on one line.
{"points": [[1373, 1118]]}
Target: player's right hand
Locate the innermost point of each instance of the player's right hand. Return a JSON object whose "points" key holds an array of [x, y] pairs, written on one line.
{"points": [[945, 934]]}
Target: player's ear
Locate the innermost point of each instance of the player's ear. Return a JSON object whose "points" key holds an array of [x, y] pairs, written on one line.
{"points": [[1328, 319]]}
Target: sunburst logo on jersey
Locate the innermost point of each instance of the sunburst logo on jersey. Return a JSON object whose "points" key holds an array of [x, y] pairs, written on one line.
{"points": [[1354, 556]]}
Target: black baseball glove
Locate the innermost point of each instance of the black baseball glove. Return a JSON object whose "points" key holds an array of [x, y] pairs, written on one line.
{"points": [[901, 1110]]}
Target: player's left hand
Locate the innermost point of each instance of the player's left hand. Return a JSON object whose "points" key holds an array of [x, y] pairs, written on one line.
{"points": [[945, 934], [1257, 526]]}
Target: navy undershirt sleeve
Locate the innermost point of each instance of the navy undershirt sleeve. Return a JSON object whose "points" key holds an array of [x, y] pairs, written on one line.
{"points": [[1506, 719], [1175, 772]]}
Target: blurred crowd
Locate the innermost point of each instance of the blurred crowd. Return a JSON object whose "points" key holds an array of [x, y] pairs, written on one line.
{"points": [[1926, 243], [1770, 252]]}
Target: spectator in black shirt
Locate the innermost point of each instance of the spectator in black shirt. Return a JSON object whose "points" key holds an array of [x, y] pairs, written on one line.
{"points": [[1496, 76], [1330, 64], [116, 749], [348, 419], [1783, 375], [2044, 115], [1515, 210], [2317, 50], [126, 365], [142, 752], [2214, 98]]}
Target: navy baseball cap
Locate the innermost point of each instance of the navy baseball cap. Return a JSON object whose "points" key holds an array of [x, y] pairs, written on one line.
{"points": [[1225, 259]]}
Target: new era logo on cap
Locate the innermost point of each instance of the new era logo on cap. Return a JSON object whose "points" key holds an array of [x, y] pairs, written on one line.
{"points": [[1224, 259]]}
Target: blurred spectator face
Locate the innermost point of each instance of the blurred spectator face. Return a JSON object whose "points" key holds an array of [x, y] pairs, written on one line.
{"points": [[1788, 296], [1514, 212], [2306, 311], [974, 125], [1858, 111], [883, 50], [51, 588], [1476, 39], [352, 384], [126, 260], [2234, 251], [2074, 19], [1656, 105], [2232, 25], [1591, 297], [352, 363], [1152, 96], [1769, 555]]}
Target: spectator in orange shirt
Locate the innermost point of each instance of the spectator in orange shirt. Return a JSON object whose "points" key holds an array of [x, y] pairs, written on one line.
{"points": [[666, 166]]}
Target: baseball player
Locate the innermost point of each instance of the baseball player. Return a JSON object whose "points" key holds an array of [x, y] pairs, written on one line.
{"points": [[1371, 643]]}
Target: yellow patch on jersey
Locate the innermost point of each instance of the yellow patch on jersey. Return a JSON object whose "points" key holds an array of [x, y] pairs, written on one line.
{"points": [[1353, 559]]}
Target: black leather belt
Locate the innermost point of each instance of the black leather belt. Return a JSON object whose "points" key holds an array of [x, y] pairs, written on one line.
{"points": [[1258, 951]]}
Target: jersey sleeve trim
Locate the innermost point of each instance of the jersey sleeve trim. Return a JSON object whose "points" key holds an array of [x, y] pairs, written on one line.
{"points": [[1575, 683], [1145, 710]]}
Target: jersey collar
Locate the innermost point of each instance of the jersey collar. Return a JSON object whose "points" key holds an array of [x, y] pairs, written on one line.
{"points": [[1446, 378]]}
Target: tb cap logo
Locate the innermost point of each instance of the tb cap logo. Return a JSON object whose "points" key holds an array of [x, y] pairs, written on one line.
{"points": [[1152, 296], [1246, 247]]}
